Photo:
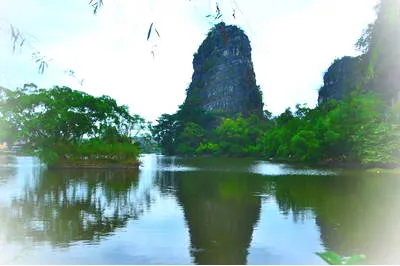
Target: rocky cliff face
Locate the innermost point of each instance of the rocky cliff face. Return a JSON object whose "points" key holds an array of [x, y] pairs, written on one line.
{"points": [[342, 77], [378, 68], [223, 81], [348, 74]]}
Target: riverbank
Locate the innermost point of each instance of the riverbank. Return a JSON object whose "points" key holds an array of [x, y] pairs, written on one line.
{"points": [[342, 164], [348, 165], [7, 152], [95, 165], [360, 166]]}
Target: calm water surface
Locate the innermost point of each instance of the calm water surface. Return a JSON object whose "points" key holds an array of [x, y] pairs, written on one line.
{"points": [[195, 211]]}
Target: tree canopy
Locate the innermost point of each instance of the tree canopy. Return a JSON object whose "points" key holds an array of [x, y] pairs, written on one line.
{"points": [[68, 123]]}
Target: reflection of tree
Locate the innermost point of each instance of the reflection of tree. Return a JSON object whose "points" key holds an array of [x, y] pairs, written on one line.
{"points": [[365, 219], [7, 171], [356, 213], [300, 195], [221, 211], [73, 205]]}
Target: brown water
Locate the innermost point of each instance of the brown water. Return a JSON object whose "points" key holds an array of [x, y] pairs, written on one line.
{"points": [[200, 211]]}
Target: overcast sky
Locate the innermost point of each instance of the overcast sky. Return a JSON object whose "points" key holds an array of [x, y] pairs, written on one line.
{"points": [[293, 42]]}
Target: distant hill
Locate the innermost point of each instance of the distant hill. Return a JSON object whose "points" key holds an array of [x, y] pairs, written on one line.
{"points": [[377, 69]]}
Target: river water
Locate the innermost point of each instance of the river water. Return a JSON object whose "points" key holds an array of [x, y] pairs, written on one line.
{"points": [[195, 211]]}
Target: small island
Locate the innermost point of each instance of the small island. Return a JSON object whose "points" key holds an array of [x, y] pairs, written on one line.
{"points": [[67, 128]]}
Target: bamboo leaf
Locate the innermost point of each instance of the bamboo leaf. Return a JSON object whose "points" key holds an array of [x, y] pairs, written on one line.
{"points": [[14, 36], [96, 4], [95, 9], [41, 67], [354, 259], [157, 32], [12, 32], [330, 257], [149, 33]]}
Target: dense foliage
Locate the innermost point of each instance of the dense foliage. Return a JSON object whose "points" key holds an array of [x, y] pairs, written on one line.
{"points": [[332, 258], [358, 129], [65, 125]]}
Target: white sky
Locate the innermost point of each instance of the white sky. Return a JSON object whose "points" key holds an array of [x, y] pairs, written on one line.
{"points": [[293, 42]]}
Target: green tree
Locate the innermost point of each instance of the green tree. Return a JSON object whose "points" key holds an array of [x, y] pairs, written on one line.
{"points": [[190, 138], [166, 132], [63, 124]]}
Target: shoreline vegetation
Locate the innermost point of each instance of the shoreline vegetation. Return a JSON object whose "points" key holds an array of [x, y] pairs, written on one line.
{"points": [[382, 168], [82, 131], [69, 128], [96, 165], [109, 164], [357, 132], [80, 164]]}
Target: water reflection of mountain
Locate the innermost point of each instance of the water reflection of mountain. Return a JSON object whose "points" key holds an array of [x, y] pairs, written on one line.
{"points": [[355, 212], [221, 202], [74, 205], [221, 211]]}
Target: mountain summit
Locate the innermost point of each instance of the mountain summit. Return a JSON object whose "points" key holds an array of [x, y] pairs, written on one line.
{"points": [[224, 81]]}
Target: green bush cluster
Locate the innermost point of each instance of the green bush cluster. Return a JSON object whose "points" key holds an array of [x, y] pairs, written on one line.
{"points": [[359, 129], [91, 150], [64, 125]]}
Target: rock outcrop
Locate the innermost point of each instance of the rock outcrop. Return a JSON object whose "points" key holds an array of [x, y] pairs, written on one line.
{"points": [[349, 74], [224, 81], [342, 77], [377, 70]]}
